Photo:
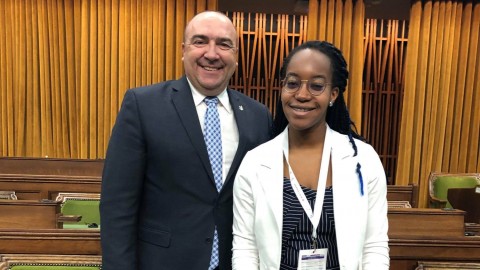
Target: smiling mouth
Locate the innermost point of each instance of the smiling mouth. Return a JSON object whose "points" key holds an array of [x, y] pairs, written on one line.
{"points": [[211, 68], [301, 109]]}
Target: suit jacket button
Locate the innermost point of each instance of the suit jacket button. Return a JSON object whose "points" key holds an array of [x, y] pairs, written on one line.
{"points": [[208, 240]]}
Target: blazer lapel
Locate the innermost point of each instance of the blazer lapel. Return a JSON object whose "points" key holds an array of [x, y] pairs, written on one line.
{"points": [[184, 105], [271, 179]]}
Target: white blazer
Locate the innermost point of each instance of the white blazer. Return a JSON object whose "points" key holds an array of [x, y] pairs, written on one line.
{"points": [[360, 220]]}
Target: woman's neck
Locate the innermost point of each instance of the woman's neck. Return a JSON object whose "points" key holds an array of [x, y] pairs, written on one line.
{"points": [[307, 138]]}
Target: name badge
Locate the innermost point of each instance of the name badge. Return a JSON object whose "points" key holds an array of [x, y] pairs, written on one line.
{"points": [[312, 259]]}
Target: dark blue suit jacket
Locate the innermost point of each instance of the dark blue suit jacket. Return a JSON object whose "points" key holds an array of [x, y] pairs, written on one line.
{"points": [[159, 205]]}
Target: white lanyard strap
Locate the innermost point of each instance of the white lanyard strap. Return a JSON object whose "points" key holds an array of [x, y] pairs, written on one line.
{"points": [[315, 215]]}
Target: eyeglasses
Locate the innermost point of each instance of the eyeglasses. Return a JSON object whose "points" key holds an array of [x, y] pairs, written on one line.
{"points": [[316, 86], [222, 45]]}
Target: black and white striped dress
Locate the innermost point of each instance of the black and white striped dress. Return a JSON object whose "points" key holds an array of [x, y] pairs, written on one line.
{"points": [[297, 228]]}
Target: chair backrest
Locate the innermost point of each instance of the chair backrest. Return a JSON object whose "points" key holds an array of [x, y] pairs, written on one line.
{"points": [[439, 183], [403, 193], [83, 204]]}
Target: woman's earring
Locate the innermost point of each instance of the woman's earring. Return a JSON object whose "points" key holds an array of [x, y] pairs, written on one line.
{"points": [[330, 103]]}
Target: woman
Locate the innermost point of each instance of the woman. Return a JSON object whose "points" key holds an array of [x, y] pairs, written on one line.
{"points": [[315, 195]]}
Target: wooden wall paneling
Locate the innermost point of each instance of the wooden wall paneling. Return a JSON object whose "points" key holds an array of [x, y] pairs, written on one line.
{"points": [[93, 67], [3, 87], [383, 87], [444, 81], [201, 5], [469, 112], [212, 5], [149, 28], [337, 25], [160, 40], [180, 21], [330, 30], [313, 7], [28, 77], [169, 45], [70, 50], [19, 74], [84, 79], [461, 82], [264, 41], [103, 42], [431, 96], [347, 39], [454, 68], [123, 48]]}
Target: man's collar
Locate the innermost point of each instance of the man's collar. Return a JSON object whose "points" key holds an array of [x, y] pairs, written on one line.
{"points": [[199, 97]]}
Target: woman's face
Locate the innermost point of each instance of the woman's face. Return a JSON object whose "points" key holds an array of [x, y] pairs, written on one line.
{"points": [[311, 72]]}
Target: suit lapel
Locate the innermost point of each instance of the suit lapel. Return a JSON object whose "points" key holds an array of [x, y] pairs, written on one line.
{"points": [[242, 125], [184, 105]]}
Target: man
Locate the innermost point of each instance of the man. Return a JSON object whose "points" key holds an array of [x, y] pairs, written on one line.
{"points": [[166, 195]]}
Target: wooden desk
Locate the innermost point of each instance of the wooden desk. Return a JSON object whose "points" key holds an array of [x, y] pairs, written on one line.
{"points": [[29, 214], [51, 166], [406, 252], [44, 178], [37, 187], [53, 241], [418, 222]]}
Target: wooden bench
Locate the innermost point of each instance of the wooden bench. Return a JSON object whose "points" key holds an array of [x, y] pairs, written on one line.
{"points": [[403, 193], [50, 241], [422, 234], [447, 266], [405, 253], [44, 178], [32, 214], [415, 222]]}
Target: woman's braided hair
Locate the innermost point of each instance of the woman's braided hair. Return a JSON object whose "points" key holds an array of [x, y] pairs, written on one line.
{"points": [[338, 117]]}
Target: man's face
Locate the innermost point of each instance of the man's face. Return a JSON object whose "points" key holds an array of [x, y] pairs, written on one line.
{"points": [[210, 52]]}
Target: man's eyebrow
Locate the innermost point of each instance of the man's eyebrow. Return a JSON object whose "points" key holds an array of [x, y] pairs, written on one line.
{"points": [[199, 36], [224, 40]]}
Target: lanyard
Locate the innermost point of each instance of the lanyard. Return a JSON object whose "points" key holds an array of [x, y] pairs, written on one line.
{"points": [[314, 216]]}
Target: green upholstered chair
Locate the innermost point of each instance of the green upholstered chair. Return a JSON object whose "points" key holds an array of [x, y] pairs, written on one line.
{"points": [[85, 205], [439, 183]]}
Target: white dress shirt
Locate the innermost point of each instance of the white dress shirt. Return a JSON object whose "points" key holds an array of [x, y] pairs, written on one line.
{"points": [[228, 125]]}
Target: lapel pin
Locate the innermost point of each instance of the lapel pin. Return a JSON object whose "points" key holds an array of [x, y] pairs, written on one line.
{"points": [[240, 107]]}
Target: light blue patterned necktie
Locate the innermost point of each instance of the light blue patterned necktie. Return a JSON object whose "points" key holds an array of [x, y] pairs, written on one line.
{"points": [[213, 140]]}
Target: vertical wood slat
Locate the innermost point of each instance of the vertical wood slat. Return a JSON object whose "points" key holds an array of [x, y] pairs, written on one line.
{"points": [[107, 93], [71, 112], [469, 112], [98, 141], [3, 88]]}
